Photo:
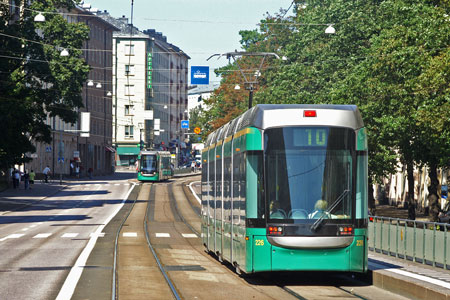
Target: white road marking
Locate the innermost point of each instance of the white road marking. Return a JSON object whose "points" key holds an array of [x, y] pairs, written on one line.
{"points": [[193, 192], [162, 234], [130, 234], [189, 235], [25, 229], [71, 281], [117, 184], [95, 234], [42, 236], [412, 275], [69, 235], [12, 236]]}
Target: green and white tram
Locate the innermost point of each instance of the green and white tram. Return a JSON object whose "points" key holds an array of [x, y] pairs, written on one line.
{"points": [[284, 187], [154, 166]]}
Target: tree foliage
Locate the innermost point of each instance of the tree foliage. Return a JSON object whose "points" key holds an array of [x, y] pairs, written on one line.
{"points": [[35, 80], [390, 58]]}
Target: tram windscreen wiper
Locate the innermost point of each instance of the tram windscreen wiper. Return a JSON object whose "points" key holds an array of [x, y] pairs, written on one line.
{"points": [[329, 209]]}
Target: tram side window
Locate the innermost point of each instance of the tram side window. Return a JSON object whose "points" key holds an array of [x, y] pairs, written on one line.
{"points": [[236, 187], [227, 189], [255, 185], [219, 188], [204, 184], [361, 186], [242, 183], [212, 185]]}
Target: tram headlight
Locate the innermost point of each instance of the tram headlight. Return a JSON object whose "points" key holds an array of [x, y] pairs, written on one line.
{"points": [[275, 230], [345, 230]]}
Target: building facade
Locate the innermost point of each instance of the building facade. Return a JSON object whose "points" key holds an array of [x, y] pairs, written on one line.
{"points": [[149, 90], [71, 150]]}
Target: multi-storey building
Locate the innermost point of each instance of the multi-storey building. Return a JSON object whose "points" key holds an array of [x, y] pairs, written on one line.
{"points": [[69, 148], [149, 90], [170, 102]]}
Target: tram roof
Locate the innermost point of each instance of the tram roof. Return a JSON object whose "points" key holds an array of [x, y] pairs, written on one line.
{"points": [[264, 116]]}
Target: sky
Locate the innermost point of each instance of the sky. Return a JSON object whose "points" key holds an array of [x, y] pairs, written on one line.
{"points": [[200, 28]]}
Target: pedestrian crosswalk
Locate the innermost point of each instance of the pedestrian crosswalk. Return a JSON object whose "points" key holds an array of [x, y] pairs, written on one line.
{"points": [[45, 235], [81, 236]]}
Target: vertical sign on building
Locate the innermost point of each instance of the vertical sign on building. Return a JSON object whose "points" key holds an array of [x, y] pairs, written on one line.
{"points": [[149, 70]]}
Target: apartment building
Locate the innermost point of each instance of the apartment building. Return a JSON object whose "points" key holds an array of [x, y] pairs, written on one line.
{"points": [[149, 90], [70, 148]]}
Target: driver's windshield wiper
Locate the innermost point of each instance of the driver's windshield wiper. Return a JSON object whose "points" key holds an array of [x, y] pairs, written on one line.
{"points": [[329, 209]]}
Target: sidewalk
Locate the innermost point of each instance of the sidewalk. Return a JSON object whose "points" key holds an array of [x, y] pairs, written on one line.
{"points": [[410, 279], [396, 212], [15, 199]]}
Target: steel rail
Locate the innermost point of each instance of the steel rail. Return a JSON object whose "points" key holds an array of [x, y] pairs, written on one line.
{"points": [[114, 280], [161, 268]]}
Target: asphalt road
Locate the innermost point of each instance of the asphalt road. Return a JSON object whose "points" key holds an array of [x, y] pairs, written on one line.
{"points": [[42, 242]]}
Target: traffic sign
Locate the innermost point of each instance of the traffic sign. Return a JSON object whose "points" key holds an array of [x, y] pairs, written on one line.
{"points": [[199, 75], [184, 124], [61, 159], [197, 130]]}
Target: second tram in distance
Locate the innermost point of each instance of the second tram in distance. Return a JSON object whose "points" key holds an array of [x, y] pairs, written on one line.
{"points": [[154, 166], [284, 187]]}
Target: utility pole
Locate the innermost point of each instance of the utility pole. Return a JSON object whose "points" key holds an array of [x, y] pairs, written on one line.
{"points": [[251, 79]]}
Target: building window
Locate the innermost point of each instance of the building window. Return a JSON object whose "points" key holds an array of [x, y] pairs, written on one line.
{"points": [[128, 110], [129, 89], [129, 49], [129, 70], [129, 129]]}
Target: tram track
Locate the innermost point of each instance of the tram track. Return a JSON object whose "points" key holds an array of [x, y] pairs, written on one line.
{"points": [[288, 290], [116, 243], [158, 261], [181, 221]]}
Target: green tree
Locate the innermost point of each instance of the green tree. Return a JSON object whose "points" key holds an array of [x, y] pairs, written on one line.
{"points": [[35, 80]]}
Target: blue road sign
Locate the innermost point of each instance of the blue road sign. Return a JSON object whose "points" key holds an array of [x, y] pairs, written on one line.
{"points": [[61, 159], [184, 124], [199, 75]]}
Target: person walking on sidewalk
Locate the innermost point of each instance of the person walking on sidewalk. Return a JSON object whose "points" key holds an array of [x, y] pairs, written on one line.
{"points": [[26, 179], [32, 175], [16, 178], [46, 173], [90, 171]]}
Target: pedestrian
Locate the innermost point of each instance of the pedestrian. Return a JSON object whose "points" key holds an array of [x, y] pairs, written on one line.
{"points": [[77, 171], [193, 166], [26, 179], [16, 178], [90, 171], [32, 175], [46, 173]]}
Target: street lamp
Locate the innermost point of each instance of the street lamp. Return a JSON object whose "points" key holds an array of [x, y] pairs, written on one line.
{"points": [[39, 17], [64, 52], [330, 29]]}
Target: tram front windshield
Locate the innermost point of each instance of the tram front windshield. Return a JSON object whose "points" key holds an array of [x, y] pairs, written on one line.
{"points": [[308, 173], [148, 164]]}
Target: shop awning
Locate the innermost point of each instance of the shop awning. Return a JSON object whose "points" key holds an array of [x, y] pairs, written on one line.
{"points": [[110, 149], [128, 150]]}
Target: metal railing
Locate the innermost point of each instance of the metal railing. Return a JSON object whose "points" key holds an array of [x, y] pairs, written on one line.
{"points": [[418, 241]]}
